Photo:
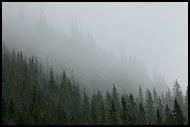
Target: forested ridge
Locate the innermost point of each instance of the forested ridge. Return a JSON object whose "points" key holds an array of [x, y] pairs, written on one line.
{"points": [[36, 95]]}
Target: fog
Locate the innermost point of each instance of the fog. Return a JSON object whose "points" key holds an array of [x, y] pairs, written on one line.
{"points": [[129, 44]]}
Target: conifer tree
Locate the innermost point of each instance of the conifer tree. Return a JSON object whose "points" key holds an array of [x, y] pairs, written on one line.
{"points": [[133, 110], [149, 108], [103, 117], [169, 99], [158, 117], [60, 114], [124, 112], [178, 93], [85, 110], [178, 114], [168, 116], [186, 105], [141, 99], [155, 97], [141, 116], [113, 115]]}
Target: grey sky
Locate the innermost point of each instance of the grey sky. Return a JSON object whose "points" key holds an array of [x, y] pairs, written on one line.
{"points": [[156, 33]]}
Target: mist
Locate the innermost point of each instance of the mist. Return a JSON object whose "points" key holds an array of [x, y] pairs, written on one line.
{"points": [[128, 44]]}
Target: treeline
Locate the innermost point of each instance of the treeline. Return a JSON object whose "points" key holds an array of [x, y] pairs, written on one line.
{"points": [[30, 95]]}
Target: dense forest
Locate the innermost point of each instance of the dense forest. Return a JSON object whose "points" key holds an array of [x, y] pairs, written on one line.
{"points": [[76, 50], [36, 95]]}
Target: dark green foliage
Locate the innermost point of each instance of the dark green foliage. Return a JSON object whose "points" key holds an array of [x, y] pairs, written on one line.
{"points": [[103, 117], [133, 110], [178, 114], [150, 115], [141, 116], [60, 114], [125, 111], [34, 95], [158, 117], [114, 118], [168, 116]]}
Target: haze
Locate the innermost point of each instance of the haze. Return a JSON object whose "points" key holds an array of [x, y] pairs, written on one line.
{"points": [[155, 35]]}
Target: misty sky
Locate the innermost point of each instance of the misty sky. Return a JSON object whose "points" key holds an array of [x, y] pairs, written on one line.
{"points": [[155, 33]]}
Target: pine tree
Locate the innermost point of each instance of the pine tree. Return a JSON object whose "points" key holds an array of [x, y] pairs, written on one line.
{"points": [[178, 114], [141, 99], [168, 116], [186, 105], [149, 108], [108, 103], [160, 107], [113, 115], [85, 110], [102, 110], [155, 97], [116, 98], [178, 93], [93, 110], [124, 112], [158, 117], [169, 99], [141, 116], [133, 110], [51, 79], [60, 114]]}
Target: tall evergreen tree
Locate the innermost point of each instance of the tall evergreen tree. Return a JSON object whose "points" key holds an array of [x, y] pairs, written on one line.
{"points": [[116, 98], [85, 110], [103, 117], [158, 117], [168, 116], [141, 98], [60, 114], [178, 114], [114, 118], [141, 116], [108, 103], [133, 110], [186, 105], [124, 112], [155, 97], [160, 107], [93, 110], [178, 93], [149, 108], [169, 99]]}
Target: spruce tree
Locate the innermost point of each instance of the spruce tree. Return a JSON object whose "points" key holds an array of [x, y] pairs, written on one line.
{"points": [[124, 112], [169, 99], [178, 93], [158, 117], [113, 115], [60, 114], [186, 105], [155, 97], [141, 116], [103, 117], [168, 120], [141, 99], [133, 110], [178, 114], [85, 110], [149, 108]]}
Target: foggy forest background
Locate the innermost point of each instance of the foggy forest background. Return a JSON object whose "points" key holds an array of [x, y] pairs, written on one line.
{"points": [[52, 77]]}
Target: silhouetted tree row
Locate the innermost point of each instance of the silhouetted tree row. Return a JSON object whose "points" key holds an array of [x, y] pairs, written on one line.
{"points": [[31, 96]]}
